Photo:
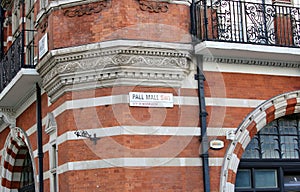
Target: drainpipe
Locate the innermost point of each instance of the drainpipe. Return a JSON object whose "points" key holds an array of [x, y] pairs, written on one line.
{"points": [[1, 30], [202, 106], [39, 136], [202, 116], [23, 35]]}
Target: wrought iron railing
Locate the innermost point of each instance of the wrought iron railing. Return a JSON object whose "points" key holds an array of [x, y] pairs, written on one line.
{"points": [[247, 22], [12, 62]]}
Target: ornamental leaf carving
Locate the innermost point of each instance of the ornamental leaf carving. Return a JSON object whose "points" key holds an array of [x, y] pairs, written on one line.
{"points": [[86, 9], [98, 64], [153, 6]]}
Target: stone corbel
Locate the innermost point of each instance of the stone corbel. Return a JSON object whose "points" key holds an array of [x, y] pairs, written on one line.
{"points": [[7, 118], [154, 6]]}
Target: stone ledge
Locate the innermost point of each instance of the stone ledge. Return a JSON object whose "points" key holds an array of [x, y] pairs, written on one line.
{"points": [[90, 67]]}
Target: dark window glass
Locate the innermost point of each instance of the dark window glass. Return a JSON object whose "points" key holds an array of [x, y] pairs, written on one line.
{"points": [[279, 139], [265, 178], [243, 178]]}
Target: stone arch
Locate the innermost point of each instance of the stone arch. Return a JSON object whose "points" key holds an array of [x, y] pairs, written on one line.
{"points": [[279, 106], [17, 143]]}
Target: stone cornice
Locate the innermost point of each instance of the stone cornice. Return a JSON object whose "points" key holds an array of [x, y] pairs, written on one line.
{"points": [[247, 61], [89, 68]]}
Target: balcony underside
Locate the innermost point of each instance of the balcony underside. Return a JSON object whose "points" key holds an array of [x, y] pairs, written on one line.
{"points": [[19, 87], [248, 51]]}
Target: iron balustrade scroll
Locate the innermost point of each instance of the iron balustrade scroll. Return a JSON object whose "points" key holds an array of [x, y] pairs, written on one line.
{"points": [[248, 22], [12, 62]]}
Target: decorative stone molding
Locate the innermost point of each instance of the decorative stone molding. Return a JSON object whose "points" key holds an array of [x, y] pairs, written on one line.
{"points": [[129, 66], [51, 125], [87, 9], [153, 6], [18, 135], [247, 61], [43, 25], [7, 118]]}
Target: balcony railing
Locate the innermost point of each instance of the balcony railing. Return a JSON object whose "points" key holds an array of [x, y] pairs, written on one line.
{"points": [[247, 22], [12, 62]]}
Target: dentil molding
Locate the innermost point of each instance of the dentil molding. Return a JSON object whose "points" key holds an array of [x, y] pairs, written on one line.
{"points": [[251, 61], [108, 67]]}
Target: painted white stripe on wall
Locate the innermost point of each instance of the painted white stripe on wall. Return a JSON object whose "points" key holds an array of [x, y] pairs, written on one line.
{"points": [[138, 130], [118, 99], [251, 69], [231, 102], [178, 100], [135, 162]]}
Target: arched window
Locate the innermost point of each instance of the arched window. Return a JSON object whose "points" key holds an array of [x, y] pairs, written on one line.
{"points": [[27, 178], [271, 161]]}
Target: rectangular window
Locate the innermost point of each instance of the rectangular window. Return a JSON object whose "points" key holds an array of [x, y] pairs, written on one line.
{"points": [[265, 178], [53, 166], [53, 158], [243, 178], [54, 182]]}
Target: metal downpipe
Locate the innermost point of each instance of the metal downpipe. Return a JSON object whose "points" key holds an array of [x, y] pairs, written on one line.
{"points": [[203, 125], [201, 97], [39, 136]]}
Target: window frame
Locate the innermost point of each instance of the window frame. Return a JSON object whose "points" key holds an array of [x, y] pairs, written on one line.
{"points": [[285, 166]]}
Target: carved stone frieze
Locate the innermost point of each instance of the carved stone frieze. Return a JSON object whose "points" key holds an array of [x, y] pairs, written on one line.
{"points": [[153, 6], [114, 67], [87, 9]]}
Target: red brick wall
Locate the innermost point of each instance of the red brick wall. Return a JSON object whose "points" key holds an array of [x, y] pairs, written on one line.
{"points": [[248, 86], [122, 19], [122, 179], [236, 85]]}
